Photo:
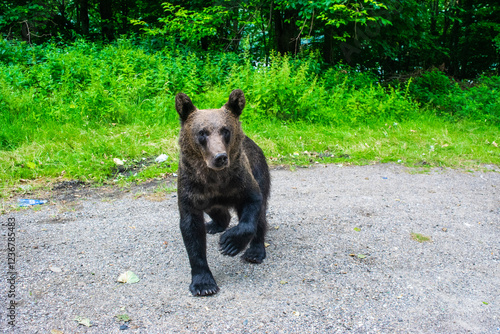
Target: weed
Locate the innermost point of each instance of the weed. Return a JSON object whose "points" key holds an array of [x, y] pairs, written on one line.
{"points": [[419, 237]]}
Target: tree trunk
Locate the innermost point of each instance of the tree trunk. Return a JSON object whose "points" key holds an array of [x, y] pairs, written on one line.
{"points": [[465, 54], [84, 16], [106, 11], [328, 44], [286, 31]]}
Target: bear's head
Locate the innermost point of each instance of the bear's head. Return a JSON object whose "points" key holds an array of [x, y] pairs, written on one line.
{"points": [[213, 135]]}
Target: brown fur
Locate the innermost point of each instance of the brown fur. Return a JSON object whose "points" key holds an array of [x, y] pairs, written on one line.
{"points": [[219, 168]]}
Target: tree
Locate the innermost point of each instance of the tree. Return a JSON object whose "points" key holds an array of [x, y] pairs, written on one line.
{"points": [[462, 37], [84, 17], [106, 11]]}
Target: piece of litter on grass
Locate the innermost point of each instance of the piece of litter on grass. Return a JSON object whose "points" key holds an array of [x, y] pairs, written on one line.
{"points": [[118, 162], [161, 158], [27, 202], [83, 321], [128, 277], [56, 331]]}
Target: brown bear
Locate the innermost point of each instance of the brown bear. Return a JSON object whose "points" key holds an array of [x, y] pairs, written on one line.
{"points": [[219, 168]]}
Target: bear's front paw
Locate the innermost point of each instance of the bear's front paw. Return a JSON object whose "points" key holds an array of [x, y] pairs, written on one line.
{"points": [[213, 228], [203, 285], [235, 240]]}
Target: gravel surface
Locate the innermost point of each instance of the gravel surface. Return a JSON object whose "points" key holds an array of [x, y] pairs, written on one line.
{"points": [[341, 258]]}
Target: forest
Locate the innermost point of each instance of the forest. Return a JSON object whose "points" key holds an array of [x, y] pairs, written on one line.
{"points": [[391, 37], [86, 81]]}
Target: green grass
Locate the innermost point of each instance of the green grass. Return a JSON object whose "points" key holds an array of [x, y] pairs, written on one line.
{"points": [[87, 155]]}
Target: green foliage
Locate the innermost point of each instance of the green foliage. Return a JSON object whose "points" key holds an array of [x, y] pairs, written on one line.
{"points": [[387, 36], [290, 90], [92, 85], [432, 86], [189, 26], [481, 102], [74, 108]]}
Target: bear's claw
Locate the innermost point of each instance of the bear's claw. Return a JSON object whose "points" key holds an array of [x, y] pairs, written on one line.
{"points": [[255, 254], [234, 241], [203, 285], [213, 228]]}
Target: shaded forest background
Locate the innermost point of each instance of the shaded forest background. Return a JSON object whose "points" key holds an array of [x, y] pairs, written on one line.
{"points": [[388, 37]]}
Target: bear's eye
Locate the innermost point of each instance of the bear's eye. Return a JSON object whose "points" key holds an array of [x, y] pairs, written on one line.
{"points": [[226, 134], [202, 137]]}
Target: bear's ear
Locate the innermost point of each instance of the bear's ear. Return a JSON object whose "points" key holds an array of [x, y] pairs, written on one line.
{"points": [[236, 102], [184, 106]]}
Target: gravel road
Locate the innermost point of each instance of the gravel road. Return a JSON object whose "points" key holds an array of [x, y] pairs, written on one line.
{"points": [[341, 258]]}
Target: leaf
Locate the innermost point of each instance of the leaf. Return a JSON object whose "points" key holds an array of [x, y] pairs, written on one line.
{"points": [[419, 237], [485, 303], [128, 277], [266, 244], [83, 321], [30, 165], [123, 317], [283, 282], [361, 256], [56, 331], [357, 229]]}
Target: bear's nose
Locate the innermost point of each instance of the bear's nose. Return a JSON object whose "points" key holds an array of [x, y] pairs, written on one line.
{"points": [[220, 160]]}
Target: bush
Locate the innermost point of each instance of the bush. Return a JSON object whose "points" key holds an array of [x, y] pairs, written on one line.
{"points": [[481, 102], [432, 87]]}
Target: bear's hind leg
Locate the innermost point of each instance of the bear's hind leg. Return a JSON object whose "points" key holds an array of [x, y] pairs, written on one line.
{"points": [[220, 220]]}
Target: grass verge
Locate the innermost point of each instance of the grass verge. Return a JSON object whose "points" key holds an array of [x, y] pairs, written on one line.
{"points": [[88, 154]]}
